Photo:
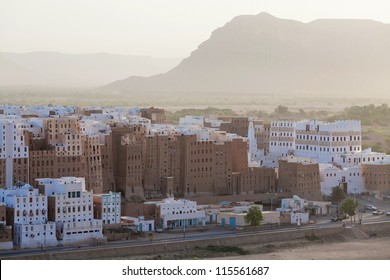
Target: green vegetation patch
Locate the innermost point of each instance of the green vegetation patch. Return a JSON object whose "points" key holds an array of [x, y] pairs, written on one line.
{"points": [[368, 114], [209, 111]]}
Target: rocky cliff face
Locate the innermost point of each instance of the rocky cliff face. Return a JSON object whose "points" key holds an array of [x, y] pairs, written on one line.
{"points": [[265, 54]]}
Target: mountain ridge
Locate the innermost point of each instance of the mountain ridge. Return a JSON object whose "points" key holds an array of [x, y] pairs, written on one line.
{"points": [[265, 54]]}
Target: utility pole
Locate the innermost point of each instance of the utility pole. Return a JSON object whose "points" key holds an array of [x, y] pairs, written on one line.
{"points": [[184, 220], [354, 202]]}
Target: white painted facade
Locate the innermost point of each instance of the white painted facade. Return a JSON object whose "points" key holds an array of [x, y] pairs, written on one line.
{"points": [[10, 110], [203, 134], [36, 127], [232, 219], [137, 120], [110, 209], [295, 206], [245, 208], [317, 140], [29, 208], [73, 207], [160, 130], [12, 145], [35, 235], [254, 154], [319, 207], [73, 232], [192, 121], [324, 141], [214, 123], [40, 111], [93, 127], [282, 138], [105, 117], [49, 111], [139, 223], [331, 176], [211, 215], [364, 157], [299, 218], [179, 213], [291, 204]]}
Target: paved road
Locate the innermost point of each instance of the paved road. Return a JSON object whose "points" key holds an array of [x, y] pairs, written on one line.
{"points": [[322, 222]]}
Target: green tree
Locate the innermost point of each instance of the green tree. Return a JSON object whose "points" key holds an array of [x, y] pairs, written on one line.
{"points": [[349, 207], [3, 231], [254, 217], [281, 110], [302, 113], [337, 194]]}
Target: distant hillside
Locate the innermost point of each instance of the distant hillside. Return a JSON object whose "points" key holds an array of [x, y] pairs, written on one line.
{"points": [[10, 72], [76, 70], [264, 54]]}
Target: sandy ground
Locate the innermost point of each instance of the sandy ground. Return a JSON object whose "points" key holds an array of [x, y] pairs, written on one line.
{"points": [[366, 249], [350, 246]]}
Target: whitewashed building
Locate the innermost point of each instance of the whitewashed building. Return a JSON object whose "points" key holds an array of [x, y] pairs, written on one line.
{"points": [[254, 154], [319, 207], [171, 213], [35, 235], [28, 205], [233, 220], [92, 127], [40, 111], [317, 140], [48, 111], [332, 176], [282, 138], [291, 204], [27, 211], [324, 141], [359, 158], [299, 218], [139, 223], [12, 146], [192, 121], [295, 207], [71, 208], [107, 207], [10, 110]]}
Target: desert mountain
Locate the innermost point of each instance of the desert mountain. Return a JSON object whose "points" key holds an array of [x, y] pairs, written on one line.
{"points": [[10, 73], [264, 54], [75, 70]]}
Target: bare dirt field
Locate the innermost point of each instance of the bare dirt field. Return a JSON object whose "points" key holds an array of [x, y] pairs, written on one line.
{"points": [[366, 249], [337, 247]]}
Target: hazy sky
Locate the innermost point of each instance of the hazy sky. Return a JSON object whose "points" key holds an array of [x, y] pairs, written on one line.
{"points": [[158, 28]]}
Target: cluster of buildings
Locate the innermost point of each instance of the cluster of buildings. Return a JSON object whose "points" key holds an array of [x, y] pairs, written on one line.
{"points": [[79, 164], [58, 212], [337, 149], [121, 150], [136, 152]]}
